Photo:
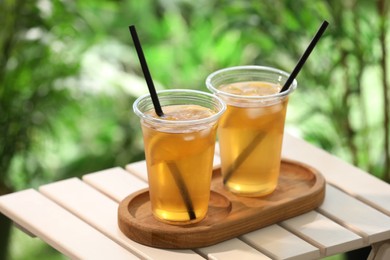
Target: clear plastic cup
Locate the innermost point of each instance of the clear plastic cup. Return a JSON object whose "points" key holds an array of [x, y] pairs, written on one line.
{"points": [[251, 130], [179, 152]]}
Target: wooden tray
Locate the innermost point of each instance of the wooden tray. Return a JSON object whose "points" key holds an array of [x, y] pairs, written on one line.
{"points": [[300, 189]]}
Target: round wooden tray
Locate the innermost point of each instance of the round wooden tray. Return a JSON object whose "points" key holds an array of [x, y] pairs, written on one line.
{"points": [[300, 189]]}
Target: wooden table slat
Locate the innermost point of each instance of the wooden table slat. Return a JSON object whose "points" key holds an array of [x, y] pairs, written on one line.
{"points": [[321, 231], [59, 228], [278, 243], [341, 174], [123, 185], [100, 211], [231, 249], [138, 169], [355, 215]]}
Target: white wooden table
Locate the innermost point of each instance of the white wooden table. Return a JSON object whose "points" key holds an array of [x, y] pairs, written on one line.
{"points": [[78, 217]]}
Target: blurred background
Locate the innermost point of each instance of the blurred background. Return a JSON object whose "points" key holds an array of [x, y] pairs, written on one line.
{"points": [[69, 74]]}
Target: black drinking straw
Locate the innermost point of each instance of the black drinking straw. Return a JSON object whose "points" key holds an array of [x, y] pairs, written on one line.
{"points": [[182, 188], [257, 139], [304, 56], [243, 155], [157, 107], [145, 69]]}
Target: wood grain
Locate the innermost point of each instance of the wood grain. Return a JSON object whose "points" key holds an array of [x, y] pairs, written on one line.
{"points": [[300, 189]]}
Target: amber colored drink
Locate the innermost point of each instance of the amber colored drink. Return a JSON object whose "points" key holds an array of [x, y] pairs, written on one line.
{"points": [[179, 152], [187, 153], [251, 130], [260, 127]]}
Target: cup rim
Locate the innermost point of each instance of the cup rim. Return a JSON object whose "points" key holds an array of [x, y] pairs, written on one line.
{"points": [[217, 91], [154, 120]]}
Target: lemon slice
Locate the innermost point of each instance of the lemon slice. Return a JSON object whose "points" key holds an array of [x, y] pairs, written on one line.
{"points": [[163, 147]]}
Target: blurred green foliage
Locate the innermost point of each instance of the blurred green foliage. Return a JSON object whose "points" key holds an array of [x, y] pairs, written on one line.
{"points": [[69, 75]]}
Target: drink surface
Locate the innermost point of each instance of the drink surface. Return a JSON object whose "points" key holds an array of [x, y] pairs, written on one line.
{"points": [[251, 88], [250, 140], [177, 160], [183, 112]]}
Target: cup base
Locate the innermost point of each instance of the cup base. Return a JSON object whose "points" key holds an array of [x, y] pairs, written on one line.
{"points": [[178, 222], [259, 193]]}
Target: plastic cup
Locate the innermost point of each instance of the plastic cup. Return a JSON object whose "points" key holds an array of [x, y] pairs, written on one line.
{"points": [[251, 130], [179, 153]]}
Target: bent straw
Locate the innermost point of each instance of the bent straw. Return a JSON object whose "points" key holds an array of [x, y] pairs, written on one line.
{"points": [[156, 103], [257, 139]]}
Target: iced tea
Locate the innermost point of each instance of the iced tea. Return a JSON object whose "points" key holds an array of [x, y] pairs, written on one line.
{"points": [[179, 151], [251, 130], [243, 127]]}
